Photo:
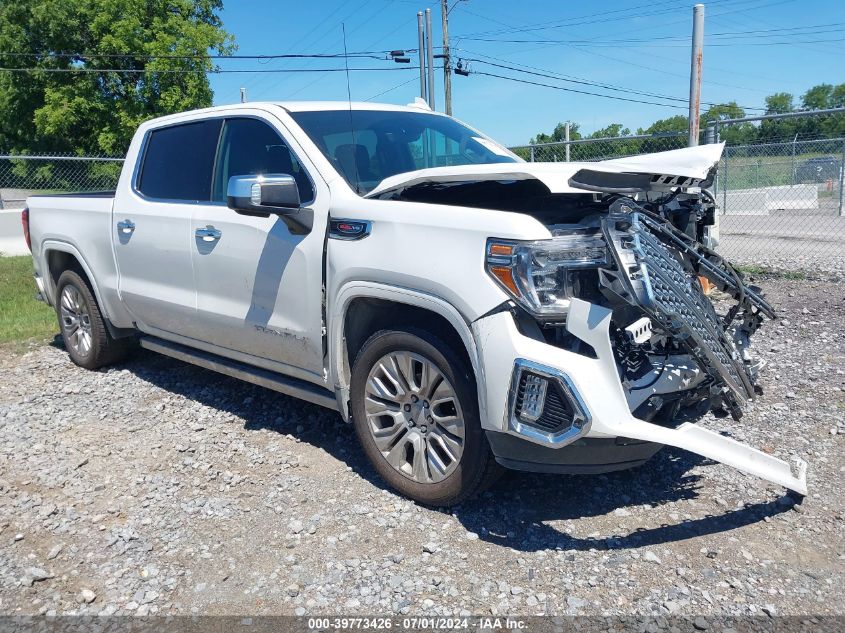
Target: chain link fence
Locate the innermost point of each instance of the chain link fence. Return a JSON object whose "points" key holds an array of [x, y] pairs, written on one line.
{"points": [[780, 190], [779, 185], [25, 175], [591, 149]]}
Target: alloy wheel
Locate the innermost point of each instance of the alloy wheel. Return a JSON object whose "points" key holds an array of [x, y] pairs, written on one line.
{"points": [[414, 416], [76, 321]]}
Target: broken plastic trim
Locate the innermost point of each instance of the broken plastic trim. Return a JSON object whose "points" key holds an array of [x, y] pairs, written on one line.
{"points": [[632, 182], [649, 274]]}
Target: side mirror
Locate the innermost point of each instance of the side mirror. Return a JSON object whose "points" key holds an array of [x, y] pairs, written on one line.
{"points": [[263, 195]]}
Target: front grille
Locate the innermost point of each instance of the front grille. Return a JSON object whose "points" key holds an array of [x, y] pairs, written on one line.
{"points": [[673, 298], [557, 415]]}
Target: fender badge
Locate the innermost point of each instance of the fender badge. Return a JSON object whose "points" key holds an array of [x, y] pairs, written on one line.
{"points": [[349, 229]]}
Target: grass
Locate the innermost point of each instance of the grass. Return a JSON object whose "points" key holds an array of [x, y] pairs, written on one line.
{"points": [[752, 269], [751, 172], [22, 318]]}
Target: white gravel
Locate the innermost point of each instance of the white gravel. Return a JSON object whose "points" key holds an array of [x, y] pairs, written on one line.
{"points": [[159, 488]]}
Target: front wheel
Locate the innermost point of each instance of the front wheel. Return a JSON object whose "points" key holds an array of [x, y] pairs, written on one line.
{"points": [[415, 410]]}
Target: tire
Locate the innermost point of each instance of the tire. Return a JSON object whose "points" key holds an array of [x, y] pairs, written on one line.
{"points": [[440, 468], [86, 337]]}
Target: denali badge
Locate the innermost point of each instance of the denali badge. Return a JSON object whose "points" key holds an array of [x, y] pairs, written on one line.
{"points": [[349, 229]]}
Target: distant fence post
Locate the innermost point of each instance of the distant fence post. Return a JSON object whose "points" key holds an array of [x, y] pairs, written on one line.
{"points": [[842, 183], [532, 153], [568, 138], [725, 187]]}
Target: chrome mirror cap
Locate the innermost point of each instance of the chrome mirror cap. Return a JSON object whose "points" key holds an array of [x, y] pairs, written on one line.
{"points": [[263, 194]]}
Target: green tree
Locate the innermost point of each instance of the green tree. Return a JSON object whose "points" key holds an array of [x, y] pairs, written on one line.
{"points": [[558, 134], [721, 111], [779, 103], [818, 97], [160, 47], [771, 131], [735, 133], [611, 131], [837, 97], [677, 123]]}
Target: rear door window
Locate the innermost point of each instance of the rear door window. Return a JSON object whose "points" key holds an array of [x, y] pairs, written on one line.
{"points": [[179, 161]]}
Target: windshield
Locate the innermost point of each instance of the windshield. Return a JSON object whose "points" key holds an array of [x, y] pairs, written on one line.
{"points": [[367, 146]]}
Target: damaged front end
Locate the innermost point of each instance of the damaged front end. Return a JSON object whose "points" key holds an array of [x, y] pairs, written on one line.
{"points": [[677, 356], [614, 308], [610, 334], [657, 269]]}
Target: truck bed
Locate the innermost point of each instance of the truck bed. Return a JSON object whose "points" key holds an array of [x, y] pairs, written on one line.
{"points": [[76, 194], [79, 225]]}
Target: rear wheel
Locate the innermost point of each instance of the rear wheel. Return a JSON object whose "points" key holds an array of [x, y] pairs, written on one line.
{"points": [[86, 338], [415, 411]]}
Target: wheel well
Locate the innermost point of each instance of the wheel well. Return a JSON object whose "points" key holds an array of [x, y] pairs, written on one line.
{"points": [[60, 261], [365, 316]]}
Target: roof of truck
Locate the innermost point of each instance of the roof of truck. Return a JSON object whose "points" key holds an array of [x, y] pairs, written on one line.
{"points": [[298, 106], [310, 106]]}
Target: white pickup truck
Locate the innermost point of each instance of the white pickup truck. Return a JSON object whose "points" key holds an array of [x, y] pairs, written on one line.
{"points": [[464, 309]]}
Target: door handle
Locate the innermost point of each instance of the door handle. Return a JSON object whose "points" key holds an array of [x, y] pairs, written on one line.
{"points": [[126, 226], [208, 234]]}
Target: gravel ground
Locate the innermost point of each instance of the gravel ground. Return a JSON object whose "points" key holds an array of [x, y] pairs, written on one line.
{"points": [[159, 488]]}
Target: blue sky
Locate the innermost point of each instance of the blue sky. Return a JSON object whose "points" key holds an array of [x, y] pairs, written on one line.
{"points": [[783, 45]]}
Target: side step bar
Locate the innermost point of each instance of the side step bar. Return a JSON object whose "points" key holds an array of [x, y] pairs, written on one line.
{"points": [[255, 375]]}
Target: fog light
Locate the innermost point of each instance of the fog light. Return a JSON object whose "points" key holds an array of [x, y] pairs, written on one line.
{"points": [[534, 396]]}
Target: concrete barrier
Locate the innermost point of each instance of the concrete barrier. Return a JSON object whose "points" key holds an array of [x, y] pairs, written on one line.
{"points": [[793, 197], [764, 200], [11, 234], [14, 198], [747, 202]]}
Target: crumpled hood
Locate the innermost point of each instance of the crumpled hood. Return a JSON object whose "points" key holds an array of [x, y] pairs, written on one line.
{"points": [[690, 164]]}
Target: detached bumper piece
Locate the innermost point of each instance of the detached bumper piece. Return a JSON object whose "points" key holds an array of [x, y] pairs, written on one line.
{"points": [[595, 382], [648, 253]]}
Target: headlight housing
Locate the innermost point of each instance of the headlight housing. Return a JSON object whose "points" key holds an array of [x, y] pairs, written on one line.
{"points": [[539, 274]]}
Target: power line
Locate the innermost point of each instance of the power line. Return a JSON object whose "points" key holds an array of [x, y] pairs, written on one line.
{"points": [[327, 31], [380, 39], [203, 71], [602, 18], [758, 20], [573, 21], [680, 75], [599, 18], [384, 92], [586, 82], [82, 56], [583, 92], [653, 41]]}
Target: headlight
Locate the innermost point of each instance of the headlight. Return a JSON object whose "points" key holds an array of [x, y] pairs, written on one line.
{"points": [[538, 274]]}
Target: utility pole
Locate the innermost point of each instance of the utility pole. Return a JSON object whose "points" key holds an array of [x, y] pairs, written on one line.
{"points": [[423, 91], [447, 60], [430, 58], [695, 72]]}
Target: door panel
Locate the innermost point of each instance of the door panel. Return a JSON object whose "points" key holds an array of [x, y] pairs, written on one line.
{"points": [[259, 288], [152, 225], [156, 280]]}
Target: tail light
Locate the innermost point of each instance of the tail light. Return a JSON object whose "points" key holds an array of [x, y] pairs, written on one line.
{"points": [[25, 225]]}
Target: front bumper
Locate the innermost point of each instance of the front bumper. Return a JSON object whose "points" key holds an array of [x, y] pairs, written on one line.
{"points": [[596, 383], [585, 456]]}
